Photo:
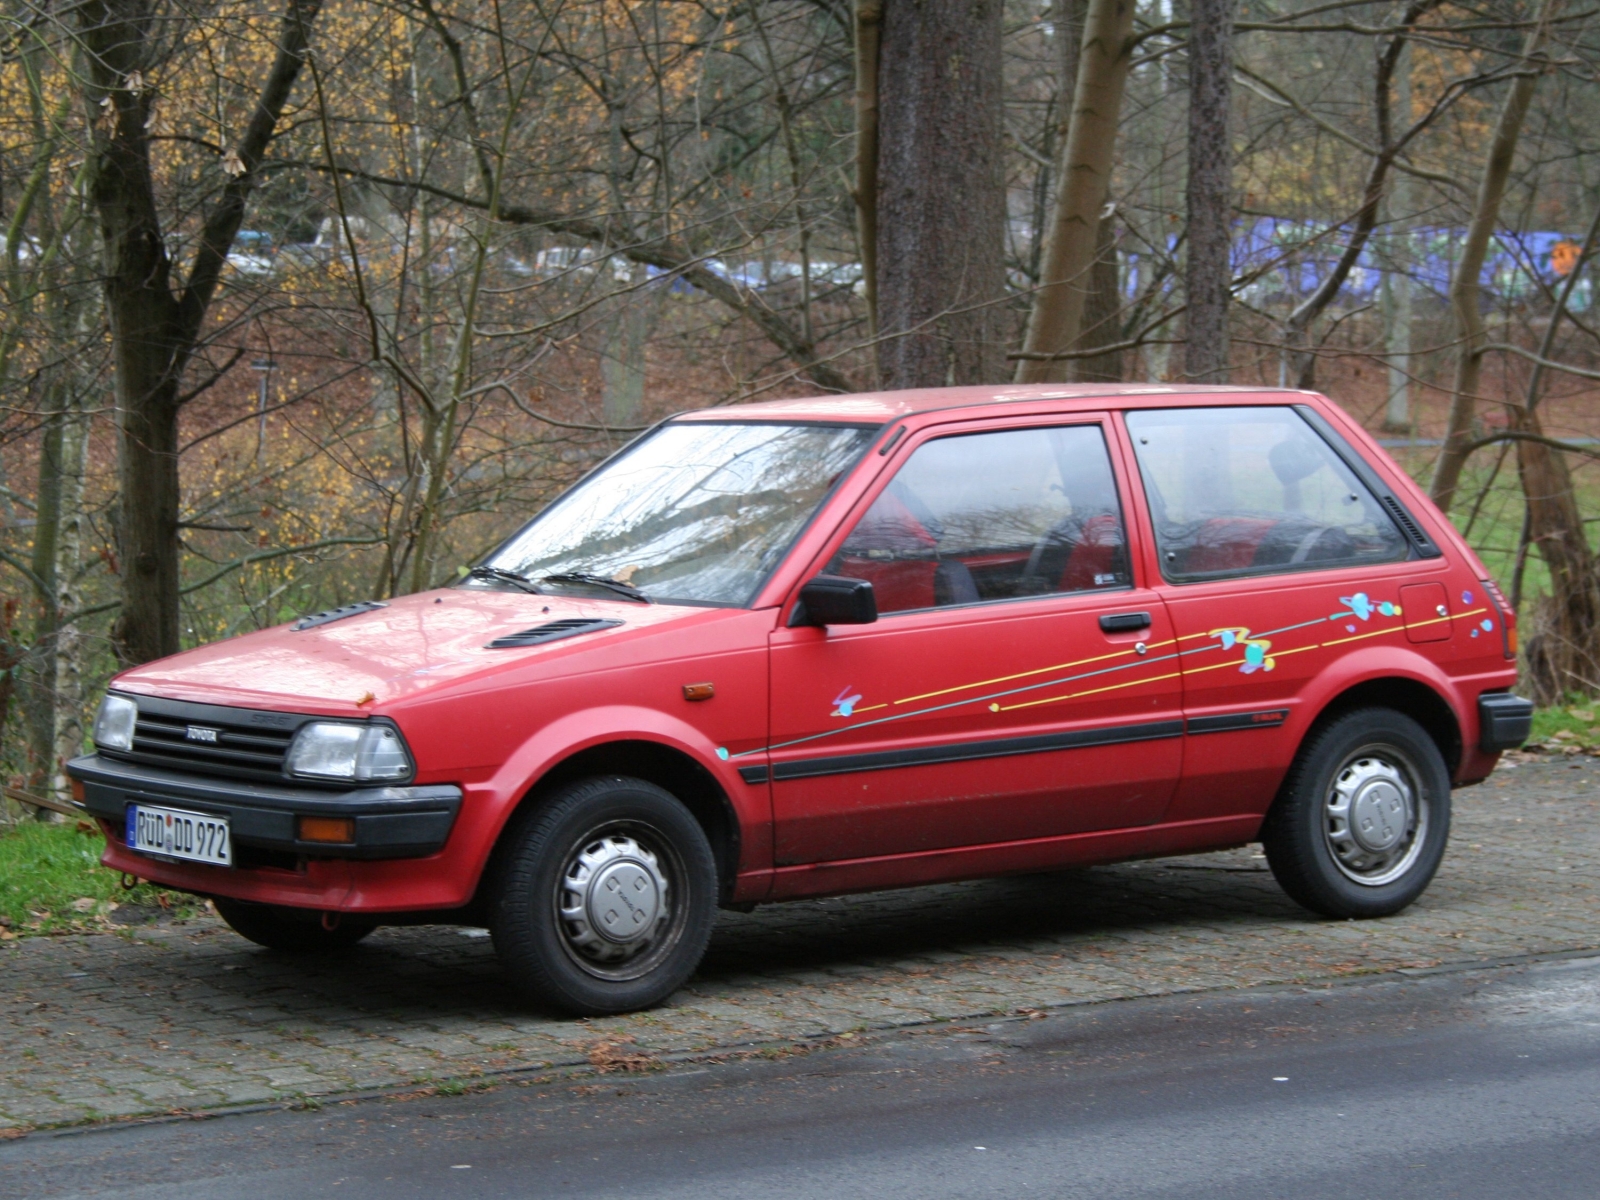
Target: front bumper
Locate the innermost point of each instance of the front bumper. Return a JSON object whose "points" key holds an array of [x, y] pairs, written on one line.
{"points": [[390, 822]]}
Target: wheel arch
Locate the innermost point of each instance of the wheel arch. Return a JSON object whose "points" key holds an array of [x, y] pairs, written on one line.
{"points": [[1415, 699], [668, 768]]}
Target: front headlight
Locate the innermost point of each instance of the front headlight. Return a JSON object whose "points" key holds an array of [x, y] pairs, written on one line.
{"points": [[342, 751], [114, 723]]}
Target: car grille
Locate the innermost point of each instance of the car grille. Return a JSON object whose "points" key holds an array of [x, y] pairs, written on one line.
{"points": [[249, 743]]}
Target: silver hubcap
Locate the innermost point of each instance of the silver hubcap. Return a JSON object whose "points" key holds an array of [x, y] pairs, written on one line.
{"points": [[1374, 820], [614, 901]]}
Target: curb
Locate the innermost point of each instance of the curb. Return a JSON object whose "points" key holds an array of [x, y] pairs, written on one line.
{"points": [[580, 1067]]}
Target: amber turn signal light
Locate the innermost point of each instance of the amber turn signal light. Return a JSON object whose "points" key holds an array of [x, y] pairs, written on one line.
{"points": [[699, 691], [77, 790], [327, 829]]}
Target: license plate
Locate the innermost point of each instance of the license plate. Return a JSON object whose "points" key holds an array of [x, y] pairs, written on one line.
{"points": [[173, 833]]}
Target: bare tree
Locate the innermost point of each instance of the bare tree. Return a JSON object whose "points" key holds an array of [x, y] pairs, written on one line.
{"points": [[1466, 287], [155, 323]]}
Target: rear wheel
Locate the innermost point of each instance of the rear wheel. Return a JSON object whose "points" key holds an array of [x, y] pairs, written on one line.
{"points": [[1361, 823], [605, 897], [291, 930]]}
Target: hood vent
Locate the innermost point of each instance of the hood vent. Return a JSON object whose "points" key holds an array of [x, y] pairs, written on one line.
{"points": [[336, 614], [552, 631]]}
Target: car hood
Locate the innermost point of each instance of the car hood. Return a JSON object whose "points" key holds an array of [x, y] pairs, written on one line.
{"points": [[414, 644]]}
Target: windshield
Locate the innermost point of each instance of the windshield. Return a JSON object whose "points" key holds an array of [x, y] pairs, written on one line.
{"points": [[698, 512]]}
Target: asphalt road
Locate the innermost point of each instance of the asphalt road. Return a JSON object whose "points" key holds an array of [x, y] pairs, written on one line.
{"points": [[1466, 1083]]}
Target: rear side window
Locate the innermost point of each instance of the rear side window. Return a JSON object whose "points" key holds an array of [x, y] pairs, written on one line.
{"points": [[992, 516], [1253, 491]]}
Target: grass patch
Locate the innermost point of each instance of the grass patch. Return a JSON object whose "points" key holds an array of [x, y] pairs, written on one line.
{"points": [[51, 881], [1566, 725]]}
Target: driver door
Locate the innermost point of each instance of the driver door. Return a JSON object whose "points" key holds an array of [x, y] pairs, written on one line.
{"points": [[1018, 683]]}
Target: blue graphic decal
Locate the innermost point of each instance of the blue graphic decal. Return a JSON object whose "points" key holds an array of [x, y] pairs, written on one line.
{"points": [[1255, 648], [844, 704], [1358, 605], [1466, 597], [1362, 606], [722, 753]]}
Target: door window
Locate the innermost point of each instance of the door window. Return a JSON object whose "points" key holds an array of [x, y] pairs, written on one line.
{"points": [[992, 516], [1253, 491]]}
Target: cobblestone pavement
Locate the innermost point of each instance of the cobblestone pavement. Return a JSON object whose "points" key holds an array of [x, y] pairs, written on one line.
{"points": [[189, 1016]]}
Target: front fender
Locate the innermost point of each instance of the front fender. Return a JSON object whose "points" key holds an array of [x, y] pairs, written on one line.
{"points": [[490, 803]]}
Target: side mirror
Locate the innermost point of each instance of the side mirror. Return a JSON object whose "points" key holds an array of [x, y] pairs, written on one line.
{"points": [[836, 600]]}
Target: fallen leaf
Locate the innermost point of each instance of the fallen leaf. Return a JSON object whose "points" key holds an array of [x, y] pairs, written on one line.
{"points": [[606, 1057]]}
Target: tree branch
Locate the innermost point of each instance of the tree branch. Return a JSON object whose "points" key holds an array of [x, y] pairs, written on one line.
{"points": [[216, 238], [663, 254]]}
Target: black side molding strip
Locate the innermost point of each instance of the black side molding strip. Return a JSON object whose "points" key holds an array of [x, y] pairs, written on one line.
{"points": [[1226, 722], [884, 760], [753, 774]]}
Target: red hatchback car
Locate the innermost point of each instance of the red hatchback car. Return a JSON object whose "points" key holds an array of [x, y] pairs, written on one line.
{"points": [[835, 645]]}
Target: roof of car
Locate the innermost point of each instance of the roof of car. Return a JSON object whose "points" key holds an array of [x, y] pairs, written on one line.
{"points": [[878, 407]]}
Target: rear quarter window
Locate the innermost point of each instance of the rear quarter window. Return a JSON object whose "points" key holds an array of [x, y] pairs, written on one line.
{"points": [[1254, 491]]}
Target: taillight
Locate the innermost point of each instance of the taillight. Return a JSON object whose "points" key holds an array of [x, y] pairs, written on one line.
{"points": [[1508, 619]]}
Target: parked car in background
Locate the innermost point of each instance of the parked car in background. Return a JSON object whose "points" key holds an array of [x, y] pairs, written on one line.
{"points": [[823, 646]]}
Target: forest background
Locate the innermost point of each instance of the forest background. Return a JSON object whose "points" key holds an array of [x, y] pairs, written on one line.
{"points": [[314, 301]]}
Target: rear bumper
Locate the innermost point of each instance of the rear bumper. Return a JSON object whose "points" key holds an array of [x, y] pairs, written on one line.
{"points": [[390, 822], [1504, 721]]}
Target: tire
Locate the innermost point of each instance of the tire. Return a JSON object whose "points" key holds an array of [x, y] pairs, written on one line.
{"points": [[1382, 765], [290, 930], [569, 936]]}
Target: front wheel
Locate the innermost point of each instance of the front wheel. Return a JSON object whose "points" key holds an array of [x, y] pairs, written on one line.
{"points": [[1360, 825], [604, 898]]}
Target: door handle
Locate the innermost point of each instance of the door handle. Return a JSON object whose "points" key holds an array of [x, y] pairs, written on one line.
{"points": [[1122, 622]]}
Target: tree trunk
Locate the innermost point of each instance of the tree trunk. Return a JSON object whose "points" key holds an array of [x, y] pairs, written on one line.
{"points": [[1562, 646], [1561, 651], [941, 199], [622, 360], [39, 693], [155, 326], [10, 657], [1102, 311], [869, 16], [1397, 289], [1466, 290], [1209, 270], [1082, 184], [68, 682]]}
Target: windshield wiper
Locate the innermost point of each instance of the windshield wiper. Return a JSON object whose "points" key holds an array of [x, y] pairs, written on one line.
{"points": [[501, 575], [602, 581]]}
